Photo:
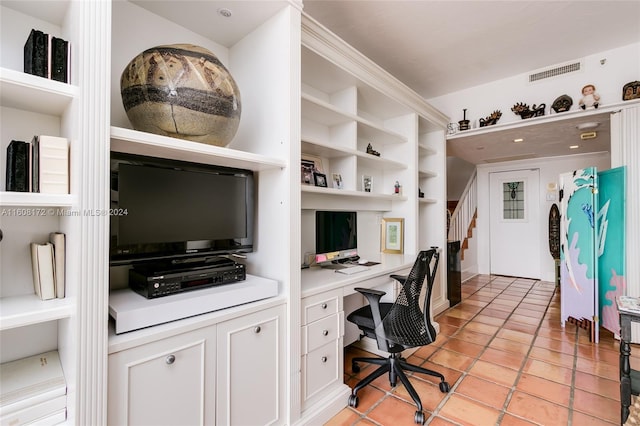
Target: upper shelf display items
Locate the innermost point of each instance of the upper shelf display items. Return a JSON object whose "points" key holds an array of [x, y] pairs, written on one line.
{"points": [[182, 91]]}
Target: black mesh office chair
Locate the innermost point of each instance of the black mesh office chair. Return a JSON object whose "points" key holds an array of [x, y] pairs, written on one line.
{"points": [[398, 326]]}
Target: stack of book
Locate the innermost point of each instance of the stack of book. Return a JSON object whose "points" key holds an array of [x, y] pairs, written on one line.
{"points": [[41, 165], [47, 56], [47, 261], [33, 391]]}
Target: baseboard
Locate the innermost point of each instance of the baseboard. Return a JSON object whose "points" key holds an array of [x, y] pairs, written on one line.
{"points": [[326, 408]]}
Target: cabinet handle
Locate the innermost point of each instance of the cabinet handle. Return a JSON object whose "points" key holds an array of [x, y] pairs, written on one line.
{"points": [[170, 359], [324, 306], [323, 359], [325, 332], [257, 329]]}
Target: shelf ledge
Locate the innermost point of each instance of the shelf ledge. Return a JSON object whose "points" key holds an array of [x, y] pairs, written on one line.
{"points": [[33, 93], [142, 143], [36, 199], [349, 193], [20, 311]]}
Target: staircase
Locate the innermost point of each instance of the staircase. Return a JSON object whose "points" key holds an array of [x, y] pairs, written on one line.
{"points": [[463, 219]]}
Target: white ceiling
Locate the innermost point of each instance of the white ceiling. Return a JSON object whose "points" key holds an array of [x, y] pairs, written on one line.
{"points": [[440, 47]]}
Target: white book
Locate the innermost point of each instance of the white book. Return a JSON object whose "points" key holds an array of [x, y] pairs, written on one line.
{"points": [[36, 414], [53, 168], [58, 241], [43, 270], [30, 381]]}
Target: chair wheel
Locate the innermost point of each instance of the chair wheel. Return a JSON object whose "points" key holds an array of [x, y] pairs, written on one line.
{"points": [[419, 417], [444, 387], [355, 367], [353, 401]]}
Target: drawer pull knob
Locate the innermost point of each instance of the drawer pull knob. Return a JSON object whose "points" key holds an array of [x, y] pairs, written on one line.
{"points": [[257, 329], [324, 306], [170, 359], [325, 332], [323, 359]]}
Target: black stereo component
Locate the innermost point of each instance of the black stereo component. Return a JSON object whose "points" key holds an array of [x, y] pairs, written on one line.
{"points": [[152, 281]]}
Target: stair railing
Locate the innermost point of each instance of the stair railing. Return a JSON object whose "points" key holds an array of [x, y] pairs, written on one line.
{"points": [[463, 214]]}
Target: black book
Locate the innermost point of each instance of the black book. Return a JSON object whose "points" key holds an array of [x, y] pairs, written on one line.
{"points": [[35, 164], [18, 166], [59, 59], [36, 54]]}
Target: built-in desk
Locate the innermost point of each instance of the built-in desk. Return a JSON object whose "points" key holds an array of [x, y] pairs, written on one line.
{"points": [[326, 296]]}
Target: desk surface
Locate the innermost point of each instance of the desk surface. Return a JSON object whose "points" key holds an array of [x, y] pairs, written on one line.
{"points": [[317, 280]]}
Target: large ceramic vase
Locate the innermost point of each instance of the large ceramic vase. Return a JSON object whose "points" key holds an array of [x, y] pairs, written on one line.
{"points": [[182, 91]]}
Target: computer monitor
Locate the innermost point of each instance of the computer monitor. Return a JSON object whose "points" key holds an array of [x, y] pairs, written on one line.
{"points": [[336, 237]]}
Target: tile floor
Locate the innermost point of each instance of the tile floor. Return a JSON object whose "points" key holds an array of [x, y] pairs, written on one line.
{"points": [[508, 361]]}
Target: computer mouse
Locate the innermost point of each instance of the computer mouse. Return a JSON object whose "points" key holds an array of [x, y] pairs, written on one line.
{"points": [[362, 261]]}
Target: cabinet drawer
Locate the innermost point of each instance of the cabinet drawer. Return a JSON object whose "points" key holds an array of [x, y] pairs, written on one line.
{"points": [[321, 368], [320, 306], [322, 332]]}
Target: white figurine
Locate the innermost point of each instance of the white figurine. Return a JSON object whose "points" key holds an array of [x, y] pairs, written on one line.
{"points": [[589, 97]]}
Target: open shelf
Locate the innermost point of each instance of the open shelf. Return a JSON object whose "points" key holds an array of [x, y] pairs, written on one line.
{"points": [[20, 311], [142, 143], [36, 199], [37, 94]]}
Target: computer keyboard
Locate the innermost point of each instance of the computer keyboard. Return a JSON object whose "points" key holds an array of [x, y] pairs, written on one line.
{"points": [[352, 269]]}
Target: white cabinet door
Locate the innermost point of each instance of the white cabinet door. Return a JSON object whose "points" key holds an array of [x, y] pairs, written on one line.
{"points": [[167, 382], [251, 369]]}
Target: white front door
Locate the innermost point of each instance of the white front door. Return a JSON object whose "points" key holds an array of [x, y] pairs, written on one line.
{"points": [[515, 223]]}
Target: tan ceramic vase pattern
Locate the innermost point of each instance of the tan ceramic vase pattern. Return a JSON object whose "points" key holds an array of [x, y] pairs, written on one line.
{"points": [[182, 91]]}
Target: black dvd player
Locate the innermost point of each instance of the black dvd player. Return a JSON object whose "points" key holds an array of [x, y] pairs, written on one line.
{"points": [[153, 280]]}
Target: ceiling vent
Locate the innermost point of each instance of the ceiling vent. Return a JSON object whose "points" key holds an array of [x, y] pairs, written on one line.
{"points": [[554, 72]]}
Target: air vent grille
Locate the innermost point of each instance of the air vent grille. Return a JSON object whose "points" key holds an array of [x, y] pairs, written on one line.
{"points": [[553, 72]]}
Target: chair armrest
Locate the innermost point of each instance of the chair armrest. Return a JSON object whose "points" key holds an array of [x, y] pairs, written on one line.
{"points": [[371, 291], [399, 278], [373, 297]]}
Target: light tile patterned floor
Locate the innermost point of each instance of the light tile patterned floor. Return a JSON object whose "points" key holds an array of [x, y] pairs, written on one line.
{"points": [[509, 362]]}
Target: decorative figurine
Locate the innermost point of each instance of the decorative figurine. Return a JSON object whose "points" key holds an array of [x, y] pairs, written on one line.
{"points": [[523, 110], [589, 97], [420, 193], [491, 119], [464, 123], [397, 188], [631, 91], [562, 103], [372, 151], [452, 128]]}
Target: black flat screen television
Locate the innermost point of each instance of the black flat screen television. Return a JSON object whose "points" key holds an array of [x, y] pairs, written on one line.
{"points": [[336, 236], [169, 210]]}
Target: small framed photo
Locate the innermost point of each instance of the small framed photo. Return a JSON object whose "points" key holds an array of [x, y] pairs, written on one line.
{"points": [[392, 235], [320, 179], [306, 175], [337, 180], [367, 183]]}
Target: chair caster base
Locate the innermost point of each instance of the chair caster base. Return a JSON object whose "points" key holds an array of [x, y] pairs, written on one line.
{"points": [[444, 387], [353, 401], [419, 417]]}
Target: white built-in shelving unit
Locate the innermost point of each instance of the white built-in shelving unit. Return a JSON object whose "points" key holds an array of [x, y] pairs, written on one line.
{"points": [[303, 91], [32, 105]]}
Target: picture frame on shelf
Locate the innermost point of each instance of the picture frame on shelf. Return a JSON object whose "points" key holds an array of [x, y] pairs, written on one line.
{"points": [[337, 181], [309, 165], [320, 179], [392, 235], [367, 183]]}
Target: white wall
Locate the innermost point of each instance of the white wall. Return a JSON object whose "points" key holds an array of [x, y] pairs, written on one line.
{"points": [[622, 65], [550, 169], [458, 174]]}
